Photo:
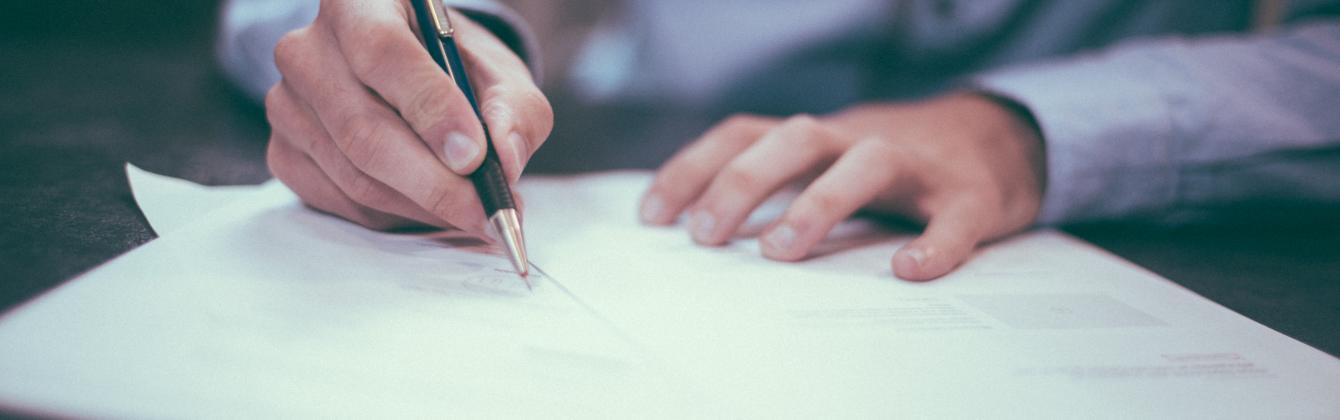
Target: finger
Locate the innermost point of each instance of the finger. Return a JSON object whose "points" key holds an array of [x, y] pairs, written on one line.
{"points": [[788, 151], [301, 129], [949, 239], [302, 175], [486, 56], [384, 52], [868, 169], [684, 177], [519, 120], [518, 115], [372, 136]]}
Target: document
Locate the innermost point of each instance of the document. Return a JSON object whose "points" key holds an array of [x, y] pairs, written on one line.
{"points": [[1041, 325], [169, 204], [265, 308], [268, 309]]}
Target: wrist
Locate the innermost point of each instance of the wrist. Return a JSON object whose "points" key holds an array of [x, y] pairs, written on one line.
{"points": [[1022, 115], [1015, 128]]}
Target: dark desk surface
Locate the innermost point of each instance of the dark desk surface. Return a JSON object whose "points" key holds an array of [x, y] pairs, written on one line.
{"points": [[75, 109]]}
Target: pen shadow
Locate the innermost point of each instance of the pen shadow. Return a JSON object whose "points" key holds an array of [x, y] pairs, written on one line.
{"points": [[407, 242], [447, 238]]}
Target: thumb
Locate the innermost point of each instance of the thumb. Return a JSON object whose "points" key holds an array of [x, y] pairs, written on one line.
{"points": [[948, 241]]}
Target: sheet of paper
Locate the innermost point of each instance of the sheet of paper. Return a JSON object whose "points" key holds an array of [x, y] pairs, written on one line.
{"points": [[269, 309], [169, 204], [1039, 326]]}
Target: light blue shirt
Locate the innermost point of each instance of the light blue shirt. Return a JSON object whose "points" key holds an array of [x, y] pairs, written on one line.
{"points": [[1158, 109], [249, 30]]}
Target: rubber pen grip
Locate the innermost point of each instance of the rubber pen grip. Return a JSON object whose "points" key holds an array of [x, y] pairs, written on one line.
{"points": [[490, 181]]}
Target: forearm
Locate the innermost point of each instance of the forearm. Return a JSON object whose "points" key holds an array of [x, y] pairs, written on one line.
{"points": [[1152, 128]]}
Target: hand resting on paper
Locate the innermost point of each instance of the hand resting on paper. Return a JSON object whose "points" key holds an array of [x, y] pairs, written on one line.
{"points": [[367, 127], [967, 166]]}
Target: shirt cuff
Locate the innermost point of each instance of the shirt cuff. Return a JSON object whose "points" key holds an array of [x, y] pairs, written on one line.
{"points": [[1108, 136]]}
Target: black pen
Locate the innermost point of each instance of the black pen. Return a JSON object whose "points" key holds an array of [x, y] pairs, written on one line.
{"points": [[490, 183]]}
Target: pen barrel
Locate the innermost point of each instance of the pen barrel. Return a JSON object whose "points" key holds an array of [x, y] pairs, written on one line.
{"points": [[491, 184], [489, 180]]}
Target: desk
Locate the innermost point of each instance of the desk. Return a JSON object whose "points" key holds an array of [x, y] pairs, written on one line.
{"points": [[66, 128]]}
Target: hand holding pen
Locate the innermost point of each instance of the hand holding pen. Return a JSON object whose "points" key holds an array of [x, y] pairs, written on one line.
{"points": [[366, 126]]}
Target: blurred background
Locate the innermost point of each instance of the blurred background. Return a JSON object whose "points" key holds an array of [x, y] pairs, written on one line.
{"points": [[86, 86]]}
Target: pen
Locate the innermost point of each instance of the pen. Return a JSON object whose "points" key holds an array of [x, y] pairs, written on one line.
{"points": [[490, 183]]}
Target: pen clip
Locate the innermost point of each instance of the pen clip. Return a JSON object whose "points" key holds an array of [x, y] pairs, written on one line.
{"points": [[441, 22]]}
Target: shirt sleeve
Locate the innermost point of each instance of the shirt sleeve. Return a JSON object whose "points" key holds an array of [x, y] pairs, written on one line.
{"points": [[1172, 128], [249, 30]]}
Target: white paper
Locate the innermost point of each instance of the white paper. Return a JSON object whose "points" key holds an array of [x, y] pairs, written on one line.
{"points": [[1039, 326], [271, 310], [169, 204], [267, 309]]}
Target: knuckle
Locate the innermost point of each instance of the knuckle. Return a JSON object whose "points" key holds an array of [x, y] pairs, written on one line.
{"points": [[804, 123], [288, 50], [363, 189], [877, 146], [802, 140], [737, 178], [363, 140], [823, 202], [803, 132], [668, 184], [495, 110], [379, 36], [373, 47], [874, 151], [427, 108]]}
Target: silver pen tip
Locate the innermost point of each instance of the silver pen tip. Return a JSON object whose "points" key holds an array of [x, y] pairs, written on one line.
{"points": [[508, 226]]}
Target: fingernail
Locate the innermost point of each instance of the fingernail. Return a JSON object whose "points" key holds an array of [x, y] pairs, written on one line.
{"points": [[652, 207], [701, 226], [519, 148], [781, 238], [459, 152], [917, 255]]}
